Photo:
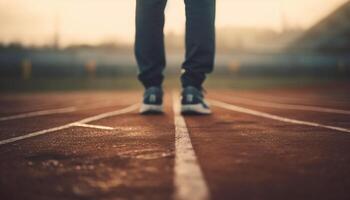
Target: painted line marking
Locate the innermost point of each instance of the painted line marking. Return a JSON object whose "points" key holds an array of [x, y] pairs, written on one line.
{"points": [[294, 98], [274, 117], [83, 121], [253, 102], [189, 180], [57, 111], [94, 126], [39, 113]]}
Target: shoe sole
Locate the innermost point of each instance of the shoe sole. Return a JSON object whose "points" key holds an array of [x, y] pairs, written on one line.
{"points": [[151, 109], [195, 109]]}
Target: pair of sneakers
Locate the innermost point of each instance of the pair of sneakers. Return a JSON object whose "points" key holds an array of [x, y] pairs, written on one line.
{"points": [[192, 101]]}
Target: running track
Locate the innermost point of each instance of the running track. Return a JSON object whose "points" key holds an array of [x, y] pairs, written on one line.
{"points": [[271, 144]]}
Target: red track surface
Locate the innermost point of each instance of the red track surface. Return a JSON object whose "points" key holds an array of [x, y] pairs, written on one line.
{"points": [[242, 156]]}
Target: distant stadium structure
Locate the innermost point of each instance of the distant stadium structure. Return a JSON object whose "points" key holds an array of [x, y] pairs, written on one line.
{"points": [[331, 34]]}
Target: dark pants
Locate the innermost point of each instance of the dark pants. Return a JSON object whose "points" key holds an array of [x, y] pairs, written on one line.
{"points": [[200, 41]]}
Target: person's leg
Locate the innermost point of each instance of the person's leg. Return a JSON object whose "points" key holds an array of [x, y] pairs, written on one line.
{"points": [[200, 52], [200, 42], [149, 41]]}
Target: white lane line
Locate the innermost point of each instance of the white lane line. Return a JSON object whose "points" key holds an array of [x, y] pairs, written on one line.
{"points": [[83, 121], [94, 126], [274, 117], [57, 111], [189, 180], [298, 99], [39, 113], [253, 102]]}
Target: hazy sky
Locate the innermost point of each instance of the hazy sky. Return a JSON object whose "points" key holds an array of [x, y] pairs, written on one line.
{"points": [[95, 21]]}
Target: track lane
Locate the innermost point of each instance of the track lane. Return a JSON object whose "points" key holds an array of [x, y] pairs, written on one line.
{"points": [[24, 103], [19, 127], [324, 118], [71, 124], [84, 163], [302, 98], [287, 106], [248, 157], [135, 160], [39, 113], [248, 111]]}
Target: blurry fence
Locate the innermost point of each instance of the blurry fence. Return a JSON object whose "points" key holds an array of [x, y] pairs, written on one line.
{"points": [[91, 63]]}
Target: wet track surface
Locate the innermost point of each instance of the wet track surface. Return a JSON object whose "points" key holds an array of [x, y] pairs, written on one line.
{"points": [[129, 156]]}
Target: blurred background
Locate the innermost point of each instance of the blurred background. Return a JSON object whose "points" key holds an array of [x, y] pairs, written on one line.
{"points": [[80, 44]]}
